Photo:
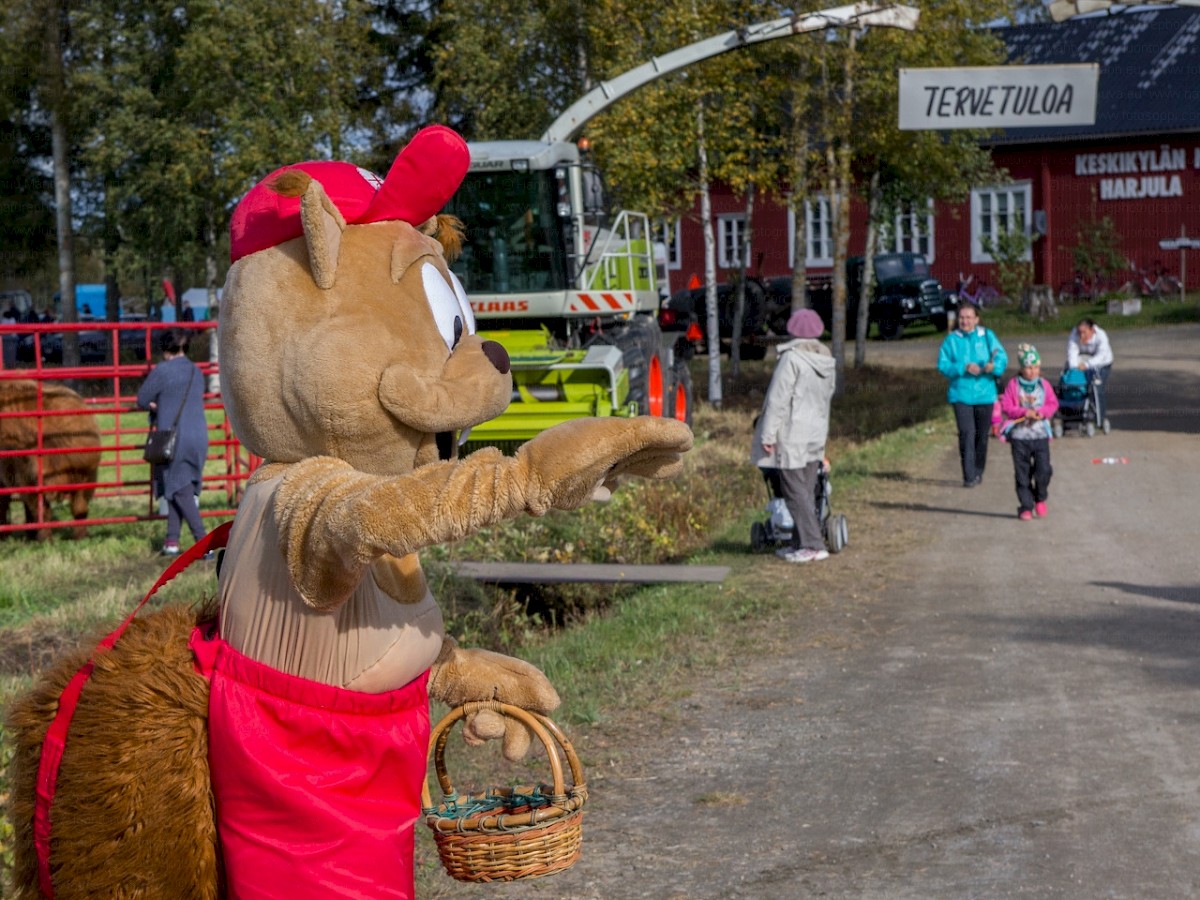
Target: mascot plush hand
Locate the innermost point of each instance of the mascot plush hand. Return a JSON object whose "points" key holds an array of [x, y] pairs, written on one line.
{"points": [[279, 751]]}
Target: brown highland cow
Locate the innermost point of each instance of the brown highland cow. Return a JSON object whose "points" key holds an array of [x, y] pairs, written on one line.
{"points": [[58, 432]]}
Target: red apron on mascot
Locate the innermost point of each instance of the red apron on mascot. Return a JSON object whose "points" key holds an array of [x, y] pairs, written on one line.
{"points": [[342, 771], [338, 767]]}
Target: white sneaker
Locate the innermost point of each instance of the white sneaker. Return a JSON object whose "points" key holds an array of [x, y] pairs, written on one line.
{"points": [[819, 555], [803, 555]]}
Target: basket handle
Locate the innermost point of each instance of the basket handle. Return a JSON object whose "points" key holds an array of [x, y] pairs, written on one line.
{"points": [[568, 749], [538, 724]]}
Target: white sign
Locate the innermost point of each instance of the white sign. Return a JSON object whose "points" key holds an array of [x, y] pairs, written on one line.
{"points": [[1135, 172], [1180, 243], [998, 97]]}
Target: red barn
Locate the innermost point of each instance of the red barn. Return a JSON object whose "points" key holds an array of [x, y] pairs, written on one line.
{"points": [[1138, 165]]}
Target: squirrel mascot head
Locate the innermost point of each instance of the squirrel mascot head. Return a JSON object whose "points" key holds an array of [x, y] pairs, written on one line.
{"points": [[343, 331]]}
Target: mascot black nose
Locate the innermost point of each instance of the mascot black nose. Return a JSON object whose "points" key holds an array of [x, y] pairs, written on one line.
{"points": [[498, 355]]}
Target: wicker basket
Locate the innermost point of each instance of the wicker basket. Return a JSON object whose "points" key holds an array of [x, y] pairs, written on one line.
{"points": [[506, 834]]}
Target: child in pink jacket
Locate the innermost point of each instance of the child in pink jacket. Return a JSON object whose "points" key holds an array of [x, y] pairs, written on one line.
{"points": [[1029, 404]]}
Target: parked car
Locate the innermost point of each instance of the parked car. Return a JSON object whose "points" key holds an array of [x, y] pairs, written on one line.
{"points": [[906, 293], [93, 345]]}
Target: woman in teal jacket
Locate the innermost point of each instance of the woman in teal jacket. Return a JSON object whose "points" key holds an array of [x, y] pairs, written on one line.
{"points": [[972, 358]]}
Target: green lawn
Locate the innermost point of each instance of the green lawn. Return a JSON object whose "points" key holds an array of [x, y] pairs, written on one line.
{"points": [[1005, 320]]}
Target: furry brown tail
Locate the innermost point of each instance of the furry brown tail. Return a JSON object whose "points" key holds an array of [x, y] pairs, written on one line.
{"points": [[133, 813]]}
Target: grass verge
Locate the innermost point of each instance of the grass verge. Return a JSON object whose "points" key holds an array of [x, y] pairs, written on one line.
{"points": [[1009, 320]]}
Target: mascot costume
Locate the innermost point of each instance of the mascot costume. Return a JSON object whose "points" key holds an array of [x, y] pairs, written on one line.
{"points": [[277, 749]]}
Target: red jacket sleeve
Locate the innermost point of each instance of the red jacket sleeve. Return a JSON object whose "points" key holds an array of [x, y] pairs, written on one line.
{"points": [[1010, 405]]}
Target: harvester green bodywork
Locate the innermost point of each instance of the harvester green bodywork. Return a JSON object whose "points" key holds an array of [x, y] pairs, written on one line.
{"points": [[552, 385]]}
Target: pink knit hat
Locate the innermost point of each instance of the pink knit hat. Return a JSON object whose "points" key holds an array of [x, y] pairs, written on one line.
{"points": [[421, 180], [804, 323]]}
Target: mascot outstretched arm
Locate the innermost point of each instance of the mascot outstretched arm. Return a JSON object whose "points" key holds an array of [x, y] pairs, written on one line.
{"points": [[278, 751]]}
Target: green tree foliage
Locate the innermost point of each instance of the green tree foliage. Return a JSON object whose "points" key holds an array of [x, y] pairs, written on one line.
{"points": [[1097, 251], [178, 107], [916, 165], [25, 208], [899, 171], [397, 73], [504, 68], [38, 33], [190, 104], [647, 141], [666, 142], [1010, 250]]}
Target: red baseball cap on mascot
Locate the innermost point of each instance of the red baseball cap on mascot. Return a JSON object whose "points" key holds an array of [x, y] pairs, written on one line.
{"points": [[424, 176]]}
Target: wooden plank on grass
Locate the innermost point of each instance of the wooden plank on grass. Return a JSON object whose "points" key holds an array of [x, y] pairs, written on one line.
{"points": [[560, 573]]}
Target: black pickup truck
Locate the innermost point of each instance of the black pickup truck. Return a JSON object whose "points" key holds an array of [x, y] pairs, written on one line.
{"points": [[905, 294]]}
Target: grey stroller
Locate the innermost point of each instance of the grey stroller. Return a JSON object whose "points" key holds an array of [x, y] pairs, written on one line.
{"points": [[779, 527]]}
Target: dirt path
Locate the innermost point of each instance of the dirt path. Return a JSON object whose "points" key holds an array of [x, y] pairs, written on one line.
{"points": [[981, 708]]}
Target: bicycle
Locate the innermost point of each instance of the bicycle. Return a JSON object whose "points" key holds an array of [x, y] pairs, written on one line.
{"points": [[1156, 283], [1079, 289], [984, 295]]}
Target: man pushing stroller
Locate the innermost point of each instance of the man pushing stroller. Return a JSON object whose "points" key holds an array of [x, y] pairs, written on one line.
{"points": [[793, 427]]}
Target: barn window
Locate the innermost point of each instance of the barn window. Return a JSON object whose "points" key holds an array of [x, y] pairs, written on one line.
{"points": [[910, 230], [667, 232], [731, 241], [818, 233], [996, 211]]}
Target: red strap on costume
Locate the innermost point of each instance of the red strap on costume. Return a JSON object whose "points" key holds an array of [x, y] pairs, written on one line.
{"points": [[56, 736]]}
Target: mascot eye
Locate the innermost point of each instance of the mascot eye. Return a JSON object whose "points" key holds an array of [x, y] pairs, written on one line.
{"points": [[464, 303], [446, 308]]}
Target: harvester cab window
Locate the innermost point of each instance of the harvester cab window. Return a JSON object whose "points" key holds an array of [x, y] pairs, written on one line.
{"points": [[513, 234]]}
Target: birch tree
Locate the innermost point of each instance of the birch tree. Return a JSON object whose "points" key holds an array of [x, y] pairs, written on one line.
{"points": [[902, 171]]}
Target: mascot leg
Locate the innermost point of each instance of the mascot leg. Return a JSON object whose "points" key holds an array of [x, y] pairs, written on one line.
{"points": [[318, 788], [133, 812]]}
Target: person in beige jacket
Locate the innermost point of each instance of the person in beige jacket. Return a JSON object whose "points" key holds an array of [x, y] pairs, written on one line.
{"points": [[793, 427]]}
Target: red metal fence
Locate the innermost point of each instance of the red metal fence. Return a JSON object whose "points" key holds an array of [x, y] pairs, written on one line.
{"points": [[115, 358]]}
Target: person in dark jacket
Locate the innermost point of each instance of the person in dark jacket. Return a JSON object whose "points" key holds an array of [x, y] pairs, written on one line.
{"points": [[175, 390], [972, 359]]}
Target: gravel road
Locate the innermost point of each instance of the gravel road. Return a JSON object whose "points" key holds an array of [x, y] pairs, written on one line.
{"points": [[1006, 709]]}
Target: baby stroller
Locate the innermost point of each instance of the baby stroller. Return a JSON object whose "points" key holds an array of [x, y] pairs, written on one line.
{"points": [[1078, 404], [780, 527]]}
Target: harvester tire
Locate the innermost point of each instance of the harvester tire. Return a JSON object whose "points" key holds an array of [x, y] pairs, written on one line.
{"points": [[681, 393], [640, 342]]}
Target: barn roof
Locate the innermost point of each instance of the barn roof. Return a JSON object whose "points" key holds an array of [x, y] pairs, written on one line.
{"points": [[1149, 71]]}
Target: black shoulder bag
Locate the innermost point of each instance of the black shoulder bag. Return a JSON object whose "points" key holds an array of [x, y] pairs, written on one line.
{"points": [[160, 443]]}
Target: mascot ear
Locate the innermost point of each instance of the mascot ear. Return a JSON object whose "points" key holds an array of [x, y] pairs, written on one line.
{"points": [[323, 226]]}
